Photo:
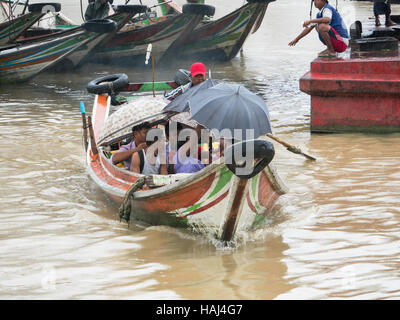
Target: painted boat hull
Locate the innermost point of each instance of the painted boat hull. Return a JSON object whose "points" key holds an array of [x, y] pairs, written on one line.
{"points": [[77, 57], [223, 38], [131, 45], [354, 95], [212, 200], [12, 29], [22, 63]]}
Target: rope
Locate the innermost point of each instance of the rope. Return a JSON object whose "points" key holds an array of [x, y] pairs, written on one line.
{"points": [[125, 208]]}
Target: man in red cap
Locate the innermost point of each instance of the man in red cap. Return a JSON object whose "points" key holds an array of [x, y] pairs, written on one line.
{"points": [[197, 76]]}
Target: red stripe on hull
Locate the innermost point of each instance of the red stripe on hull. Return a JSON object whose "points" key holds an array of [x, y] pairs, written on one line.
{"points": [[181, 198]]}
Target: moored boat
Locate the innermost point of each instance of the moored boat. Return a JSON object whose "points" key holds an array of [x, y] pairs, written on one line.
{"points": [[222, 39], [165, 35], [13, 27], [20, 63], [123, 14], [215, 200]]}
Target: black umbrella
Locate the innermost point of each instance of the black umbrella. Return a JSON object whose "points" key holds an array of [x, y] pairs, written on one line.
{"points": [[230, 106], [180, 103]]}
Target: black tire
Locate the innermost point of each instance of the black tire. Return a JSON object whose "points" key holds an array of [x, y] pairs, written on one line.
{"points": [[131, 8], [260, 1], [262, 150], [38, 7], [108, 84], [100, 25], [198, 8]]}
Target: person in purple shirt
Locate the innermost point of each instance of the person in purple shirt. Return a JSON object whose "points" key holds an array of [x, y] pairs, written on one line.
{"points": [[125, 152], [184, 161]]}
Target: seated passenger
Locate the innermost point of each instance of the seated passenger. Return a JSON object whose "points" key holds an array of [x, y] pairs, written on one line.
{"points": [[149, 162], [186, 159], [125, 152]]}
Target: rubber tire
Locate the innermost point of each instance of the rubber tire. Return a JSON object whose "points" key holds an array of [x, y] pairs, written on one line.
{"points": [[37, 7], [100, 25], [100, 85], [262, 149], [131, 8], [198, 8]]}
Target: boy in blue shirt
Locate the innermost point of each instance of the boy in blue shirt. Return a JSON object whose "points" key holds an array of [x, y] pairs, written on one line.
{"points": [[331, 29]]}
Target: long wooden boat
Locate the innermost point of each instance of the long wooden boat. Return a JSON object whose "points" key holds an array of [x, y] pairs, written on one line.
{"points": [[222, 39], [165, 36], [123, 14], [213, 201], [20, 63], [13, 27]]}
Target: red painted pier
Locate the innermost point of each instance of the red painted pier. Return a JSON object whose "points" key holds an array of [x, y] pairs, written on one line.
{"points": [[360, 93]]}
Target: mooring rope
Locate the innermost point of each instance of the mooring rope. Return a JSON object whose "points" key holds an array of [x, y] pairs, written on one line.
{"points": [[125, 208]]}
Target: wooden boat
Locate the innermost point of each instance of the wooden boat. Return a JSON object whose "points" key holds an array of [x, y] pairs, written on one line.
{"points": [[213, 201], [20, 63], [122, 15], [222, 39], [165, 36], [13, 27]]}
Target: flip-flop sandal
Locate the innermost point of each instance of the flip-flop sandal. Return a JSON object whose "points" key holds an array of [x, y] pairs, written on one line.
{"points": [[327, 55]]}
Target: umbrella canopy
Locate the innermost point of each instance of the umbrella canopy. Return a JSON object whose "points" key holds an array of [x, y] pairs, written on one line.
{"points": [[230, 106], [119, 124], [181, 102]]}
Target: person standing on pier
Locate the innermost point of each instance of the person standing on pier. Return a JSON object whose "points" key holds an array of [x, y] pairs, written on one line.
{"points": [[331, 29], [383, 7]]}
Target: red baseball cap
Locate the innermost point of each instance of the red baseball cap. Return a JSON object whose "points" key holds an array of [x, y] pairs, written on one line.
{"points": [[197, 68]]}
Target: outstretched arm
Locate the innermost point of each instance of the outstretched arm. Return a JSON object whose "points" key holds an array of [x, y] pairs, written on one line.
{"points": [[305, 32]]}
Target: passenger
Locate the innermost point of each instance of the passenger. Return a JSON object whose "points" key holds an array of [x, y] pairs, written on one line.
{"points": [[125, 152], [184, 160], [146, 163], [172, 132], [98, 9], [330, 27], [383, 7], [198, 75]]}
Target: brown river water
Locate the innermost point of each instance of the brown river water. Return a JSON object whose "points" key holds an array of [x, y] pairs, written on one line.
{"points": [[335, 235]]}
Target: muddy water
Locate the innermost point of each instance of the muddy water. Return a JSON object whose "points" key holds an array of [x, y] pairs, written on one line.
{"points": [[334, 235]]}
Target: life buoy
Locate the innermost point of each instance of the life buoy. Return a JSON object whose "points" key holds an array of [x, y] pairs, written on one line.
{"points": [[108, 84]]}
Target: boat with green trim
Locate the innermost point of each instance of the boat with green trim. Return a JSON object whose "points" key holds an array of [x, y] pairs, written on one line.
{"points": [[19, 63], [215, 200], [222, 39], [12, 27], [165, 34]]}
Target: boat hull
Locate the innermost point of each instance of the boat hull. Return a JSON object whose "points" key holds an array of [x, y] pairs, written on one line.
{"points": [[22, 63], [130, 46], [223, 38], [12, 29]]}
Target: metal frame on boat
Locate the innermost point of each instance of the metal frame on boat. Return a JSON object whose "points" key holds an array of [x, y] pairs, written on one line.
{"points": [[214, 200]]}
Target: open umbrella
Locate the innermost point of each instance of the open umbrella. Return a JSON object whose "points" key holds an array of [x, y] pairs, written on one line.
{"points": [[180, 103], [230, 106]]}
